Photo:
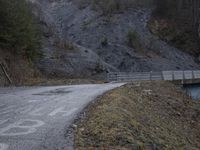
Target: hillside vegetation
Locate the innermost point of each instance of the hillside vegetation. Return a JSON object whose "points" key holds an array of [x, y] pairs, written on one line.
{"points": [[88, 38], [109, 7], [19, 41], [19, 32], [178, 22]]}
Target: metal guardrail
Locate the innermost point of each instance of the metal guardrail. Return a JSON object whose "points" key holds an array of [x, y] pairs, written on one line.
{"points": [[162, 75]]}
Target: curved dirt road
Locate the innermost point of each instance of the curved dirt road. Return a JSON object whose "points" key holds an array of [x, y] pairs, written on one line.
{"points": [[36, 118]]}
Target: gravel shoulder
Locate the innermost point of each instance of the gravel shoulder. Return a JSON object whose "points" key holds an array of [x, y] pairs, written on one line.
{"points": [[143, 115]]}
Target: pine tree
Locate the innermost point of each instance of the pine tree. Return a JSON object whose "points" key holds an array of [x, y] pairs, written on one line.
{"points": [[18, 31]]}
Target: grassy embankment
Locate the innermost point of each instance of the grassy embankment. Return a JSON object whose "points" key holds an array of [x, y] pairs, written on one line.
{"points": [[146, 115]]}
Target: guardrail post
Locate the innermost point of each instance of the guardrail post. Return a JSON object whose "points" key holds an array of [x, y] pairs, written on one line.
{"points": [[172, 75], [108, 77], [183, 77], [150, 75], [116, 78], [162, 76], [193, 76]]}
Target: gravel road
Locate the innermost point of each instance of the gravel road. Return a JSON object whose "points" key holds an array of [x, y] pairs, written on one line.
{"points": [[36, 118]]}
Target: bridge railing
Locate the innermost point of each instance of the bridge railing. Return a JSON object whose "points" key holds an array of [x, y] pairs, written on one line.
{"points": [[162, 75], [134, 76]]}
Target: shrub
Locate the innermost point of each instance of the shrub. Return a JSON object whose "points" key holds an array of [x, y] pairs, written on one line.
{"points": [[133, 39], [104, 41], [63, 44], [19, 32], [112, 6]]}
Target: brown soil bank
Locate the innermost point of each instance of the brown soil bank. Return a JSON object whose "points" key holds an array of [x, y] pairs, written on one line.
{"points": [[20, 70], [146, 115]]}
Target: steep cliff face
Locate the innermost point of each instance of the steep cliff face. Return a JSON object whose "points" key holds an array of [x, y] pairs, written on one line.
{"points": [[62, 57], [80, 41]]}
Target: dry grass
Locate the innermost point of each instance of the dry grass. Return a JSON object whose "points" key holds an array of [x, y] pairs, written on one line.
{"points": [[23, 73], [148, 115], [19, 68]]}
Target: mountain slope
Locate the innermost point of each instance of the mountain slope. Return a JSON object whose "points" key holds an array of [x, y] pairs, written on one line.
{"points": [[101, 43]]}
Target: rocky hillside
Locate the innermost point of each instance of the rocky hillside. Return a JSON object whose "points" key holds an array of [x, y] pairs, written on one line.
{"points": [[80, 40], [88, 38]]}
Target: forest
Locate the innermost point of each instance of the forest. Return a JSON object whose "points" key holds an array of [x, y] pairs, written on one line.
{"points": [[186, 12], [178, 22], [19, 33]]}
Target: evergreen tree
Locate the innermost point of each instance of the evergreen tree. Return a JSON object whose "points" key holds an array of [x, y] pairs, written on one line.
{"points": [[18, 31]]}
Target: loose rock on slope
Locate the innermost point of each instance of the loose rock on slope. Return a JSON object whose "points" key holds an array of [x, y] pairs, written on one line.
{"points": [[86, 28]]}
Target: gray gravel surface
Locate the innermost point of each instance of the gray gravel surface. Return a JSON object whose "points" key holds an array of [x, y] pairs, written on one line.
{"points": [[37, 118]]}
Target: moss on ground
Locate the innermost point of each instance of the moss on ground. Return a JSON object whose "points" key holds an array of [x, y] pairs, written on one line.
{"points": [[146, 115]]}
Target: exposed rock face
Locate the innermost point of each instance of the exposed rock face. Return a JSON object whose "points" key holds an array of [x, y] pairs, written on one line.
{"points": [[86, 28], [59, 59]]}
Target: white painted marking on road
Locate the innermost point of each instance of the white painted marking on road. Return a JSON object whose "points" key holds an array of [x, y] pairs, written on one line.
{"points": [[70, 112], [2, 105], [36, 112], [3, 121], [62, 110], [37, 100], [3, 146], [6, 112], [26, 129], [33, 101], [7, 108], [25, 110]]}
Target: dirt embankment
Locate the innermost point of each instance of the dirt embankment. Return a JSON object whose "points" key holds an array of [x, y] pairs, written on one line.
{"points": [[19, 69], [23, 72], [146, 115]]}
